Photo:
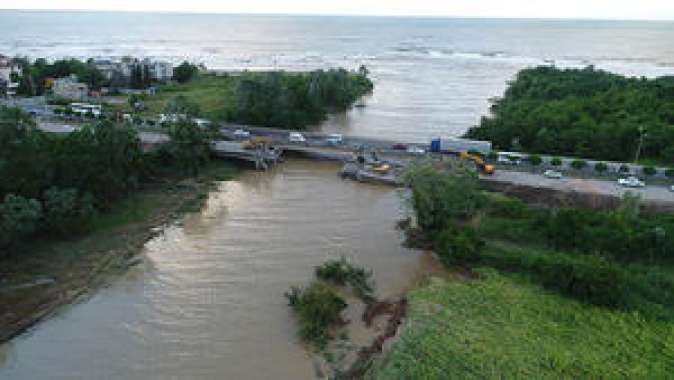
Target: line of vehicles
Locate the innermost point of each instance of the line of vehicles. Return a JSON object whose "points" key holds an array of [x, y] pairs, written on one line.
{"points": [[468, 150]]}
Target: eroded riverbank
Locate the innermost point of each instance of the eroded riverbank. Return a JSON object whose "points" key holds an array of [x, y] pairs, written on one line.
{"points": [[49, 274], [207, 298]]}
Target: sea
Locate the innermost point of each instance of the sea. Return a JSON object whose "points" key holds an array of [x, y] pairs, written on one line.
{"points": [[433, 76]]}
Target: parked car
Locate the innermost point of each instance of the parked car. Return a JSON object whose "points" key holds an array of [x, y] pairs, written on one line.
{"points": [[671, 189], [296, 137], [241, 134], [415, 150], [399, 146], [631, 182], [554, 174], [334, 139]]}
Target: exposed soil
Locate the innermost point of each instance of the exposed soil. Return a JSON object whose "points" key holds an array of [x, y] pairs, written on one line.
{"points": [[396, 312], [48, 275]]}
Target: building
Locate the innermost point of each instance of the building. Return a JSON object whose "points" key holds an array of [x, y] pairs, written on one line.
{"points": [[106, 67], [9, 73], [161, 71], [70, 88], [123, 70]]}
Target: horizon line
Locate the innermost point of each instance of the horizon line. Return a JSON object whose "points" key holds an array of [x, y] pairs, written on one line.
{"points": [[425, 16]]}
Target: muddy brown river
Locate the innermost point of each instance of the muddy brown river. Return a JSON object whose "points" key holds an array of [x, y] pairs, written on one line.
{"points": [[207, 300]]}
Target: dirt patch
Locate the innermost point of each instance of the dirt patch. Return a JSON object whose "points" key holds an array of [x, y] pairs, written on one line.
{"points": [[37, 282], [396, 312]]}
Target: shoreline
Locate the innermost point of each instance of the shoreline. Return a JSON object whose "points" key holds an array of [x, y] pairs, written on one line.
{"points": [[55, 274]]}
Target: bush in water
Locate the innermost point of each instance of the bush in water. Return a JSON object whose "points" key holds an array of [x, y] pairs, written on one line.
{"points": [[318, 307], [342, 272]]}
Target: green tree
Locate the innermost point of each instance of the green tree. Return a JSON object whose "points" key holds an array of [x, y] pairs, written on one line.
{"points": [[185, 72], [65, 211], [583, 112], [19, 218], [442, 199], [189, 145]]}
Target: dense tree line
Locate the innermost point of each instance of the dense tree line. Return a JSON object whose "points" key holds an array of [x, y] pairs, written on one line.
{"points": [[297, 100], [51, 184], [583, 112]]}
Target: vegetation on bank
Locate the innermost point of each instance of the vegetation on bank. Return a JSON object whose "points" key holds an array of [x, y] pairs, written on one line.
{"points": [[584, 278], [502, 326], [318, 306], [55, 184], [584, 112], [269, 99]]}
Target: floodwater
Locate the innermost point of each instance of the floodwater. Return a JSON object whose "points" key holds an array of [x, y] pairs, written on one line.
{"points": [[207, 301]]}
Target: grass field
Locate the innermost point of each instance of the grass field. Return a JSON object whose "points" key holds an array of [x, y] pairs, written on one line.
{"points": [[214, 95], [502, 327]]}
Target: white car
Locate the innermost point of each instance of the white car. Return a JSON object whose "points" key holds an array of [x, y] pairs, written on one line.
{"points": [[631, 182], [334, 139], [671, 189], [554, 174], [415, 150], [241, 134], [296, 137]]}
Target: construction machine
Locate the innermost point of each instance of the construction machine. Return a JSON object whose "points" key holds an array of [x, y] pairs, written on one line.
{"points": [[256, 141], [481, 166]]}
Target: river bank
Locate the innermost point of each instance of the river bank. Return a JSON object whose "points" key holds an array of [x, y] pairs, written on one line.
{"points": [[48, 275]]}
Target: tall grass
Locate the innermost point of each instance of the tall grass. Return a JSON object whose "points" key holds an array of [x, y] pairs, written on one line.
{"points": [[502, 327]]}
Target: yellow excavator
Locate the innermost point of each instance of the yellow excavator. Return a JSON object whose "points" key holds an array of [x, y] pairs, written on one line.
{"points": [[483, 167], [256, 141]]}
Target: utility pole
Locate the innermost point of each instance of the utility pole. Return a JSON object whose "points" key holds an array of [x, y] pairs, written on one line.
{"points": [[642, 134]]}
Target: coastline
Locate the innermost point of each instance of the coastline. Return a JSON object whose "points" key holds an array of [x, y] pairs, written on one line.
{"points": [[55, 274]]}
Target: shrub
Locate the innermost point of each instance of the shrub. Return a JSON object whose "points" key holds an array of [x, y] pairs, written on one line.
{"points": [[19, 218], [342, 272], [65, 211], [649, 170], [578, 164], [535, 160], [458, 246], [624, 169], [556, 161], [669, 173], [590, 279], [492, 155], [600, 167], [318, 307], [506, 207]]}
